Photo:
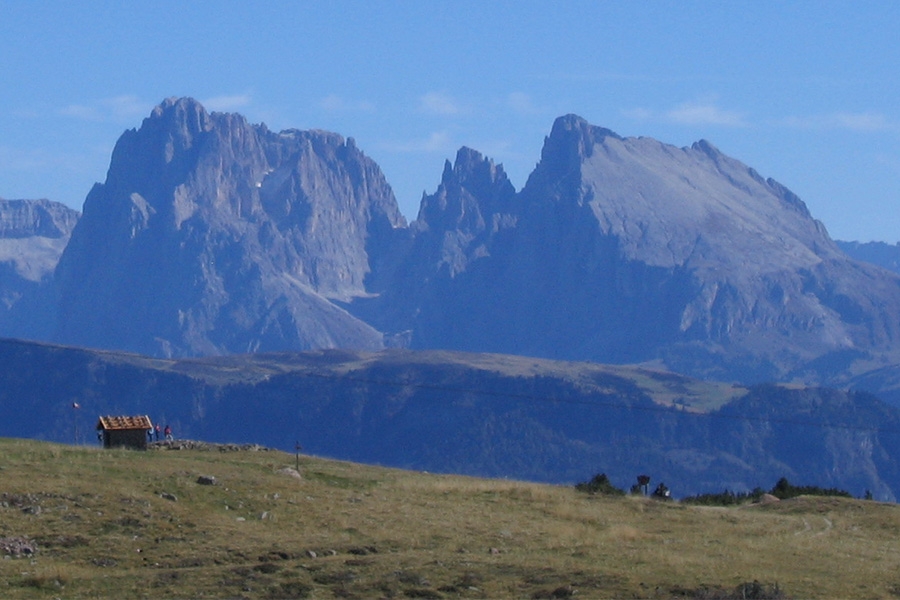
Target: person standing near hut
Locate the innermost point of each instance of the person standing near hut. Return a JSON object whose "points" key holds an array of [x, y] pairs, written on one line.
{"points": [[168, 432], [157, 431]]}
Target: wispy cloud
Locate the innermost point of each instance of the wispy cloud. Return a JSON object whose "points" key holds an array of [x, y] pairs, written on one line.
{"points": [[439, 103], [437, 141], [703, 112], [866, 122], [335, 103], [116, 109], [521, 103], [227, 103]]}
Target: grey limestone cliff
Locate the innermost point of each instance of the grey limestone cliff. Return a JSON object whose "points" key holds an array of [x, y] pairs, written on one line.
{"points": [[628, 249], [212, 235], [33, 234]]}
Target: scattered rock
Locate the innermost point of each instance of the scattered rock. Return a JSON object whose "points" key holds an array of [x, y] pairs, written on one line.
{"points": [[290, 472], [207, 480], [267, 567], [311, 553], [17, 546], [169, 496], [494, 551], [205, 446], [104, 562]]}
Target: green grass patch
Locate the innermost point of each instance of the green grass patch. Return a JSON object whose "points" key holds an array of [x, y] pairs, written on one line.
{"points": [[138, 524]]}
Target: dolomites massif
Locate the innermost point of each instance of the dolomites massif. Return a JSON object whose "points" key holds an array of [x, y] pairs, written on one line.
{"points": [[215, 241], [215, 236]]}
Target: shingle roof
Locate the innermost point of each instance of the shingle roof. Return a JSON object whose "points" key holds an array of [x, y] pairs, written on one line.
{"points": [[109, 423]]}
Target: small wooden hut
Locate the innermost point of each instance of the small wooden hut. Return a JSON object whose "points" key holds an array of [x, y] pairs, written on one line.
{"points": [[127, 432]]}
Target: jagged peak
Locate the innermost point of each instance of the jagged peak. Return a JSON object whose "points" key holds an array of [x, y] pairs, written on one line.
{"points": [[571, 140], [572, 126], [45, 218], [472, 169], [789, 197], [470, 187], [707, 148], [185, 114], [467, 155]]}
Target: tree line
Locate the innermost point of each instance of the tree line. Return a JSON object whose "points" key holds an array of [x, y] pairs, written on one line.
{"points": [[783, 489]]}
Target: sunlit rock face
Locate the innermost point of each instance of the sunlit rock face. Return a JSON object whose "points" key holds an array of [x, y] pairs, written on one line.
{"points": [[212, 235]]}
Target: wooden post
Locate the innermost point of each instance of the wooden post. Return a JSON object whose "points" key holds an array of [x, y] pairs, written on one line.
{"points": [[298, 448], [75, 407]]}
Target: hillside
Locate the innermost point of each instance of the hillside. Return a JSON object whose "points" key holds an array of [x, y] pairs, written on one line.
{"points": [[475, 414], [84, 522]]}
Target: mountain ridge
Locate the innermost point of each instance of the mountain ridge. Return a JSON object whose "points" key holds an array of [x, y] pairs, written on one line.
{"points": [[214, 236], [476, 414], [604, 221]]}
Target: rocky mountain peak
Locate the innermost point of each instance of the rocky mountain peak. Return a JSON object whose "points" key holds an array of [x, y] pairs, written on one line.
{"points": [[180, 115], [471, 191], [212, 235], [573, 136], [42, 218], [571, 141], [621, 249], [33, 234]]}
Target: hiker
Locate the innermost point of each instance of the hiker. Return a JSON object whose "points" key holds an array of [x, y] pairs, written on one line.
{"points": [[661, 492], [168, 432], [156, 431]]}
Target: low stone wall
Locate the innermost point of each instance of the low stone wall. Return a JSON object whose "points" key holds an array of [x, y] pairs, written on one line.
{"points": [[207, 446]]}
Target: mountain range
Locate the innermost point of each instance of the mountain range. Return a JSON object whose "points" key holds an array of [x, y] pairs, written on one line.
{"points": [[215, 236], [266, 288]]}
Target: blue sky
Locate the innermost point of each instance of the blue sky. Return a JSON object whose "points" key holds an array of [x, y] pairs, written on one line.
{"points": [[805, 92]]}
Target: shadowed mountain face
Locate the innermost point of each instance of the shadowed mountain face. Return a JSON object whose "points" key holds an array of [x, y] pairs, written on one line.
{"points": [[211, 235], [624, 249]]}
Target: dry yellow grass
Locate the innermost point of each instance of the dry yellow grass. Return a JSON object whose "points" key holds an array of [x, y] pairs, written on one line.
{"points": [[104, 529]]}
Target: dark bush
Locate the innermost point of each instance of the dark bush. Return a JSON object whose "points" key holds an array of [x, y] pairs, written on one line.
{"points": [[726, 498], [600, 484], [784, 489]]}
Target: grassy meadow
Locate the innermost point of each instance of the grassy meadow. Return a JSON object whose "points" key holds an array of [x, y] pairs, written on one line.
{"points": [[130, 524]]}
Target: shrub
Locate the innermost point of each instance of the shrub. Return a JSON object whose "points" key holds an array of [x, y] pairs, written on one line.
{"points": [[600, 484], [726, 498], [784, 489]]}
